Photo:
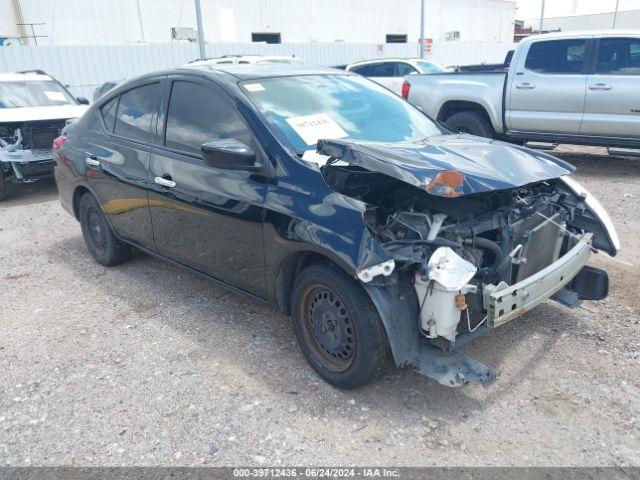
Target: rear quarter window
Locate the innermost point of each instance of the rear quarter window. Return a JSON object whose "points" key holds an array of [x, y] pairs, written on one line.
{"points": [[135, 111], [108, 113]]}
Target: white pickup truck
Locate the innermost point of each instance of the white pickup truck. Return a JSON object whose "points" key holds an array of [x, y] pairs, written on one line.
{"points": [[578, 88]]}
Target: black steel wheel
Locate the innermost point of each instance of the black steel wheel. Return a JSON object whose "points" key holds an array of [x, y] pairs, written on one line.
{"points": [[104, 246], [328, 325], [337, 327]]}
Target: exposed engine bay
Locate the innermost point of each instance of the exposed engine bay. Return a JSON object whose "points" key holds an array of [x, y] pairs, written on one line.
{"points": [[25, 149], [460, 252]]}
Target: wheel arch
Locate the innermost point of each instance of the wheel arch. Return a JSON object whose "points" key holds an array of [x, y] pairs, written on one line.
{"points": [[291, 266], [78, 193], [450, 107]]}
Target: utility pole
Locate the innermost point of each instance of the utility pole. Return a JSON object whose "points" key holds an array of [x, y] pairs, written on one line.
{"points": [[541, 17], [615, 14], [140, 24], [203, 55], [18, 20], [421, 28]]}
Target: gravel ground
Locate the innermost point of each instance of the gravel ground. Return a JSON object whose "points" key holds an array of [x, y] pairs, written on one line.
{"points": [[146, 364]]}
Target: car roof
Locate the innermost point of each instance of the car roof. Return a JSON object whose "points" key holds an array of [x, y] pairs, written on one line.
{"points": [[390, 59], [249, 71], [226, 73], [246, 58], [582, 34], [24, 77]]}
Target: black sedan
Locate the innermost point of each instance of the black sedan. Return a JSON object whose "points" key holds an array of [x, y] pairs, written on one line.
{"points": [[379, 231]]}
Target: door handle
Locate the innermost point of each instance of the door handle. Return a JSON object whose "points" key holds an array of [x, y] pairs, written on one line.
{"points": [[92, 161], [525, 86], [600, 86], [165, 181]]}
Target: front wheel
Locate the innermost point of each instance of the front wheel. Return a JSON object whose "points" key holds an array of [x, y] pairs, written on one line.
{"points": [[337, 327]]}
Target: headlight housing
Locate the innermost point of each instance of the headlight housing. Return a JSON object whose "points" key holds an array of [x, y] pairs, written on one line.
{"points": [[596, 209]]}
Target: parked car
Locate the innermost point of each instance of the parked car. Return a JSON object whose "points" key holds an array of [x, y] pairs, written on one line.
{"points": [[486, 67], [579, 88], [242, 59], [338, 202], [34, 108], [390, 72]]}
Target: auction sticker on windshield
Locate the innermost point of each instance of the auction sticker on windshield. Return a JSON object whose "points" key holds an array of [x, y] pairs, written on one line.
{"points": [[254, 87], [55, 96], [311, 128]]}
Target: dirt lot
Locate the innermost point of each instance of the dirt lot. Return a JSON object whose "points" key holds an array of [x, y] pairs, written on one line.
{"points": [[145, 364]]}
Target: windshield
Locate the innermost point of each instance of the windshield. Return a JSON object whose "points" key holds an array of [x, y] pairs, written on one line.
{"points": [[305, 109], [426, 67], [33, 94]]}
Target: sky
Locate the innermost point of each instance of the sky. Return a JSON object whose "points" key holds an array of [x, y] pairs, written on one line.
{"points": [[529, 9]]}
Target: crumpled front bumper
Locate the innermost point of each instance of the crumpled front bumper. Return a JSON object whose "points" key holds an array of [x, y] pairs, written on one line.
{"points": [[25, 156], [504, 303], [27, 165]]}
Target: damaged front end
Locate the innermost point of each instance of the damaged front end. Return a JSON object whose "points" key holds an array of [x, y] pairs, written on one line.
{"points": [[472, 243], [25, 149]]}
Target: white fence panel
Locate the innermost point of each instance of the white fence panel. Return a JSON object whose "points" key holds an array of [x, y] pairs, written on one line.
{"points": [[84, 68]]}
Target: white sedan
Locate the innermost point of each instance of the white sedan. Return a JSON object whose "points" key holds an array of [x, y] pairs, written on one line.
{"points": [[390, 72]]}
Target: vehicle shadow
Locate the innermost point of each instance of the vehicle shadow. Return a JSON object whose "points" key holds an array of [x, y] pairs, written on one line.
{"points": [[30, 193], [259, 342]]}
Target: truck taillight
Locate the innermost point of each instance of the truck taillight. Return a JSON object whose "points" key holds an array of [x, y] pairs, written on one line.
{"points": [[405, 89], [57, 142]]}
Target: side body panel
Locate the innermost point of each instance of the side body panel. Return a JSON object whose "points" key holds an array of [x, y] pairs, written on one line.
{"points": [[433, 91], [612, 105], [538, 102], [119, 183], [392, 83], [212, 219], [305, 215], [115, 171]]}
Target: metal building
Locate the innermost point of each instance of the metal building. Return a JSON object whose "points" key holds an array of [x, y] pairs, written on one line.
{"points": [[92, 22]]}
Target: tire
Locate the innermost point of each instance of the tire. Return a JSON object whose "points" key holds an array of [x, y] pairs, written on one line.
{"points": [[3, 185], [470, 122], [103, 245], [337, 327]]}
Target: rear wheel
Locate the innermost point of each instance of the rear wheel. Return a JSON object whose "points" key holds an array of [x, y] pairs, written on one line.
{"points": [[337, 327], [471, 122], [101, 242]]}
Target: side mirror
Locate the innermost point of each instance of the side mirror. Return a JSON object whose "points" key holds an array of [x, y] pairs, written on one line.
{"points": [[230, 154], [414, 73], [82, 100]]}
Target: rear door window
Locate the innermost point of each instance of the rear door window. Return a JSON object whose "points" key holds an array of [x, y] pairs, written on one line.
{"points": [[199, 114], [364, 70], [382, 69], [556, 57], [619, 56], [135, 111]]}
